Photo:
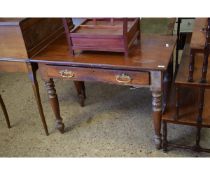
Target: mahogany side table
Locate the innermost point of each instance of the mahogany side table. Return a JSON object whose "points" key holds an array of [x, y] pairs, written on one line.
{"points": [[149, 64]]}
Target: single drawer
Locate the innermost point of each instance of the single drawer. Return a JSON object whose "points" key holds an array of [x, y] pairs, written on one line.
{"points": [[101, 75]]}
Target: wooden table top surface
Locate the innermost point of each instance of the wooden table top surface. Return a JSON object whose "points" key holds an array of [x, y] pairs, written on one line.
{"points": [[153, 53], [198, 36]]}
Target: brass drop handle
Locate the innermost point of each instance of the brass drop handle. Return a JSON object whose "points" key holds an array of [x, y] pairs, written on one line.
{"points": [[66, 73], [123, 78]]}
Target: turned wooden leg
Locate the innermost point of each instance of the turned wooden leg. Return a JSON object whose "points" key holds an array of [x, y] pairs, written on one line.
{"points": [[165, 91], [198, 138], [191, 66], [157, 114], [156, 88], [177, 45], [167, 80], [205, 65], [177, 103], [80, 87], [32, 67], [54, 103], [5, 112], [165, 142], [199, 118]]}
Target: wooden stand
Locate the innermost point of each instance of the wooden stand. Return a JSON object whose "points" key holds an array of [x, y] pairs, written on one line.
{"points": [[199, 44], [181, 36], [103, 34], [189, 101]]}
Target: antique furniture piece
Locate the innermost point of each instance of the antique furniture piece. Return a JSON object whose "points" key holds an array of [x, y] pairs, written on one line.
{"points": [[184, 27], [149, 64], [191, 104], [199, 45], [21, 39], [5, 112], [103, 34]]}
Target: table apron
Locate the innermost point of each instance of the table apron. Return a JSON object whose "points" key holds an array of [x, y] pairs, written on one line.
{"points": [[121, 77]]}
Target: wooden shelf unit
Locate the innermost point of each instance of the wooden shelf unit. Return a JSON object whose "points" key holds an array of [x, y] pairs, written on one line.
{"points": [[103, 34]]}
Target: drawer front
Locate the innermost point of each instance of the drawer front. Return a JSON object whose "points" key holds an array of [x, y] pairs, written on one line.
{"points": [[101, 75]]}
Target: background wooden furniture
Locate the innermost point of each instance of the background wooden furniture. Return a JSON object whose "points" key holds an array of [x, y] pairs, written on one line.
{"points": [[149, 65], [184, 27], [22, 38], [189, 101], [103, 34], [5, 112], [199, 42]]}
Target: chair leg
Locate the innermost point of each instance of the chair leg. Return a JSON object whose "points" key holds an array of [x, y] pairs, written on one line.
{"points": [[5, 112], [165, 142]]}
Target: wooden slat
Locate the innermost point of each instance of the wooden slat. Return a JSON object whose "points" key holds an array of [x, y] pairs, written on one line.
{"points": [[188, 110], [183, 72], [198, 36]]}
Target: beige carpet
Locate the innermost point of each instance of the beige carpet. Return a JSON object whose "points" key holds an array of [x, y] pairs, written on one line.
{"points": [[116, 121]]}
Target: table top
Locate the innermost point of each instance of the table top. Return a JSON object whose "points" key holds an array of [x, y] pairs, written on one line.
{"points": [[152, 53]]}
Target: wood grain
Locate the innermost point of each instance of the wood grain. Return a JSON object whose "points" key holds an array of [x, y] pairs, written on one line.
{"points": [[150, 54]]}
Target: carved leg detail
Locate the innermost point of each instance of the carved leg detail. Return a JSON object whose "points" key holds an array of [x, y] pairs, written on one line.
{"points": [[55, 104], [156, 106], [32, 76], [191, 66], [80, 86], [165, 90], [167, 80], [5, 112], [205, 65]]}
